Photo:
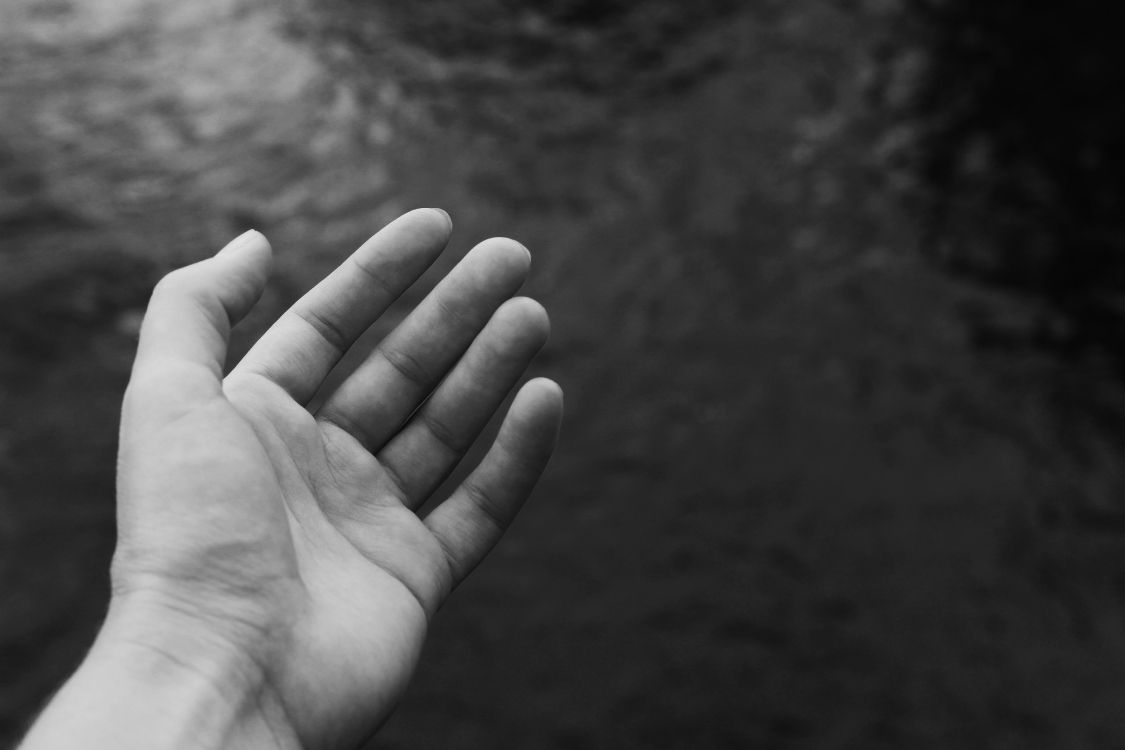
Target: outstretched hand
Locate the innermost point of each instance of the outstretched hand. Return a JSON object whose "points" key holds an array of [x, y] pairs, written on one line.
{"points": [[274, 552]]}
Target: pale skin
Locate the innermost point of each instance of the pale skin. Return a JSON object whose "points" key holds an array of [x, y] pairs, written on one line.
{"points": [[273, 580]]}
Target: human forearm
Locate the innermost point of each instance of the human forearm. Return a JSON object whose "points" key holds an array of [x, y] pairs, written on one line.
{"points": [[155, 687]]}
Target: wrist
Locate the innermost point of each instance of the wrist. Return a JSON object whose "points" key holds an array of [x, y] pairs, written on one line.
{"points": [[149, 683]]}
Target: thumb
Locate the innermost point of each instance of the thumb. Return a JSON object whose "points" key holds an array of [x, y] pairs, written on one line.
{"points": [[192, 309]]}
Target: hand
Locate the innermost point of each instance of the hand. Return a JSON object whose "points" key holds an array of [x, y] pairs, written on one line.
{"points": [[275, 553]]}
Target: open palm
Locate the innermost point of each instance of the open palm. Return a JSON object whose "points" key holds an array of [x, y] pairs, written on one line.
{"points": [[286, 540]]}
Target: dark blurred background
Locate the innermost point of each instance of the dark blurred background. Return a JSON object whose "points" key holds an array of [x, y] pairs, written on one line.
{"points": [[838, 293]]}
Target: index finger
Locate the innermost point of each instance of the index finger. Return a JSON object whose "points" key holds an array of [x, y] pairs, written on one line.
{"points": [[303, 346]]}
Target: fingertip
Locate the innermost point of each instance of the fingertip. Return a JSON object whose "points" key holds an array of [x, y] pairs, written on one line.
{"points": [[524, 252], [246, 260], [535, 420], [249, 243], [243, 268], [445, 217], [523, 248], [542, 396], [528, 315], [434, 223], [506, 253]]}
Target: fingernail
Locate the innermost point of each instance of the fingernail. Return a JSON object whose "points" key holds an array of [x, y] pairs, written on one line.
{"points": [[443, 212], [247, 239]]}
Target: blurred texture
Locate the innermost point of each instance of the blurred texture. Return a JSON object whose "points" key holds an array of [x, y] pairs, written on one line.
{"points": [[835, 299], [1013, 136]]}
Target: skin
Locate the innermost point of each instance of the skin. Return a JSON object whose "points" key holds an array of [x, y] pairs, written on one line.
{"points": [[273, 582]]}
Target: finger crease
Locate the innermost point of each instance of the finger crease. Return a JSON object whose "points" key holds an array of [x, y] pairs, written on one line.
{"points": [[452, 575], [346, 425], [449, 312], [398, 487], [375, 278], [484, 503], [442, 433], [406, 365], [332, 334]]}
